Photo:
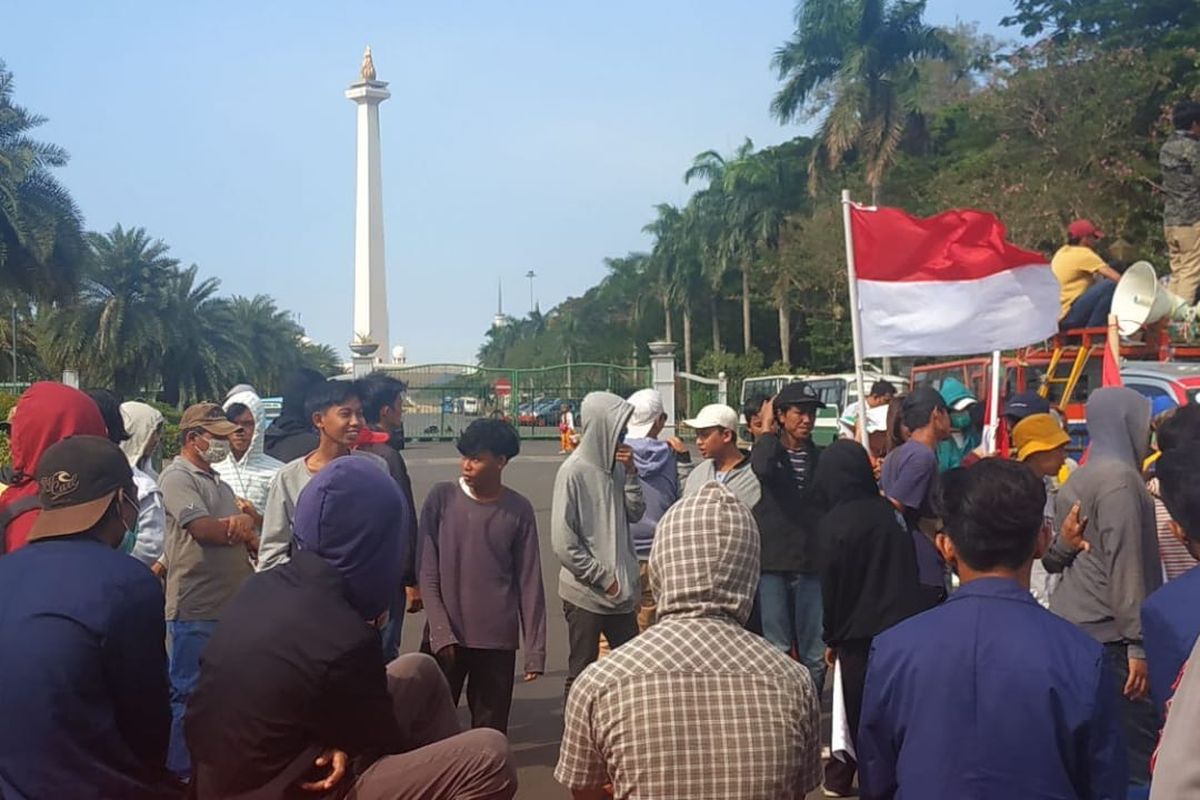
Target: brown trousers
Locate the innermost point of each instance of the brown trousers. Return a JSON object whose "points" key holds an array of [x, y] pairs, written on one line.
{"points": [[1183, 246], [441, 762]]}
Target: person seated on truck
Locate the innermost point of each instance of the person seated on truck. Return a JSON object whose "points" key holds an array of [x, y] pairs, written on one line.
{"points": [[1087, 281]]}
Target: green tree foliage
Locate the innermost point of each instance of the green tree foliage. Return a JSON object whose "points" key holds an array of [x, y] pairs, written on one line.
{"points": [[41, 231], [145, 326], [1120, 23], [1058, 130]]}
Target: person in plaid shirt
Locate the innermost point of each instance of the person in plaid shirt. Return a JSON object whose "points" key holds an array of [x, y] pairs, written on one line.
{"points": [[696, 707]]}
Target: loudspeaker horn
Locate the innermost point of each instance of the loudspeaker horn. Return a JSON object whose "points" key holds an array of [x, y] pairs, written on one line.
{"points": [[1141, 300]]}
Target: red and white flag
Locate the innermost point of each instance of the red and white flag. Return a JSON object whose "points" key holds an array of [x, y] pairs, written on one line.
{"points": [[950, 284]]}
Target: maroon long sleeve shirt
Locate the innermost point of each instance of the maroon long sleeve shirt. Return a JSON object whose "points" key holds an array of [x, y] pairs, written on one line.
{"points": [[481, 573]]}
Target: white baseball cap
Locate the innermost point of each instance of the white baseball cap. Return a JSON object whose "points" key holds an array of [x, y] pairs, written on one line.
{"points": [[714, 416], [647, 408]]}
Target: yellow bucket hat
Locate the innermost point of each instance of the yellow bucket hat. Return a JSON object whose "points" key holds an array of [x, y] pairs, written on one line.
{"points": [[1038, 433]]}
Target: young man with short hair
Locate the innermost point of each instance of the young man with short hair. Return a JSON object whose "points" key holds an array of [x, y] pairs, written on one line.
{"points": [[383, 410], [758, 414], [789, 593], [1180, 162], [882, 393], [208, 548], [724, 462], [908, 476], [695, 707], [84, 700], [596, 496], [1087, 282], [481, 576], [989, 695], [336, 412]]}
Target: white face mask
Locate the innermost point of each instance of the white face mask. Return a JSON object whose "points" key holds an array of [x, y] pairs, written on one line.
{"points": [[218, 450]]}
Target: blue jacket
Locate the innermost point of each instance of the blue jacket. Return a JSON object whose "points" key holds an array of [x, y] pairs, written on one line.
{"points": [[658, 473], [989, 697], [1170, 627], [84, 706]]}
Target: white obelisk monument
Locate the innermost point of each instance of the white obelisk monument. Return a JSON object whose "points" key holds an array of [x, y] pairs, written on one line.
{"points": [[370, 283]]}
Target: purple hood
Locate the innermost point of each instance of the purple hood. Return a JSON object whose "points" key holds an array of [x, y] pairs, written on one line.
{"points": [[348, 516]]}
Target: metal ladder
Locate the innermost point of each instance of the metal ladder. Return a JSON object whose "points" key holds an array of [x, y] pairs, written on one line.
{"points": [[1087, 346]]}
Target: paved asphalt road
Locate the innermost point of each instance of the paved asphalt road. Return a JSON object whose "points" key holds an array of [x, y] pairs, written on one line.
{"points": [[535, 727]]}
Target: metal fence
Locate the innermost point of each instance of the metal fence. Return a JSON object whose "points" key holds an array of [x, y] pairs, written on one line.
{"points": [[443, 399]]}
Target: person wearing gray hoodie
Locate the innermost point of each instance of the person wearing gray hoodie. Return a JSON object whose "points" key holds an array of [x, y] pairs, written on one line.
{"points": [[1102, 589], [597, 495]]}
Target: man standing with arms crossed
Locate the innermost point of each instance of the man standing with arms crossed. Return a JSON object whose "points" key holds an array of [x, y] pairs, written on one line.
{"points": [[208, 547]]}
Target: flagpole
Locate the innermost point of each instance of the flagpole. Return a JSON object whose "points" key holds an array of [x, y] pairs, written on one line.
{"points": [[855, 322], [993, 443]]}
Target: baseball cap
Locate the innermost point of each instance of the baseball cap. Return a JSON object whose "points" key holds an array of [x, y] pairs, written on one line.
{"points": [[1083, 227], [209, 417], [77, 479], [798, 393], [1022, 404], [714, 416], [1038, 433], [647, 408], [921, 402]]}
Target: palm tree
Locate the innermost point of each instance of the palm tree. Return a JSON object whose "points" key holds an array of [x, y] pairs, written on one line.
{"points": [[860, 60], [273, 341], [114, 331], [676, 268], [203, 354], [42, 248]]}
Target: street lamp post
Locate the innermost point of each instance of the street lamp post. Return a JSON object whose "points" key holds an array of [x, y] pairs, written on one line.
{"points": [[531, 275], [14, 344]]}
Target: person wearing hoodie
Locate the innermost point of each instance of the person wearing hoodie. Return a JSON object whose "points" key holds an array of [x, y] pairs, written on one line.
{"points": [[966, 425], [658, 471], [696, 706], [294, 699], [248, 470], [148, 536], [292, 435], [789, 593], [1102, 588], [868, 584], [144, 423], [597, 496], [46, 413]]}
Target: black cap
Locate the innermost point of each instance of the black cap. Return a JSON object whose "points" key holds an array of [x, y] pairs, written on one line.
{"points": [[920, 403], [798, 393], [1022, 405], [77, 479]]}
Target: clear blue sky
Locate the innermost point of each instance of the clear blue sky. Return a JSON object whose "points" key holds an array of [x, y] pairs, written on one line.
{"points": [[529, 135]]}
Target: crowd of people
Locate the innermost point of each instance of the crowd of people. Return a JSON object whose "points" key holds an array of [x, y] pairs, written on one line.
{"points": [[229, 626]]}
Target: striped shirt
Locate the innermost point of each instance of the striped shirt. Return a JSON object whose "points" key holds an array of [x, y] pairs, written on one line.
{"points": [[1176, 560], [801, 468]]}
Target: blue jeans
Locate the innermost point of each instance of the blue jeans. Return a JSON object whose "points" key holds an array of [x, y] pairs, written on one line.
{"points": [[390, 635], [793, 616], [1090, 309], [187, 642]]}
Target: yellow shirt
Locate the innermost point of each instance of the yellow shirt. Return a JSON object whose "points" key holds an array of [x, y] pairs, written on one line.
{"points": [[1075, 267]]}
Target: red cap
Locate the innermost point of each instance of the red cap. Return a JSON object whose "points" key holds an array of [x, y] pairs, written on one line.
{"points": [[368, 436], [1083, 227]]}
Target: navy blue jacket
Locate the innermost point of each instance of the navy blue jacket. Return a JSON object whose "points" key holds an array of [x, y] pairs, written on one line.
{"points": [[989, 697], [84, 705], [1170, 627]]}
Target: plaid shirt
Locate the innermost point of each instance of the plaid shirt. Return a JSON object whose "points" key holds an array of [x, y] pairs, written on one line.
{"points": [[696, 707]]}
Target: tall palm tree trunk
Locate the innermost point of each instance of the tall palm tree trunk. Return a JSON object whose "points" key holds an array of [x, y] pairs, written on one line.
{"points": [[745, 309], [716, 324], [669, 322], [687, 356], [785, 333]]}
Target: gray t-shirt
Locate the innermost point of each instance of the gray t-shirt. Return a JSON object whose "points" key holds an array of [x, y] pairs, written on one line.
{"points": [[201, 578]]}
